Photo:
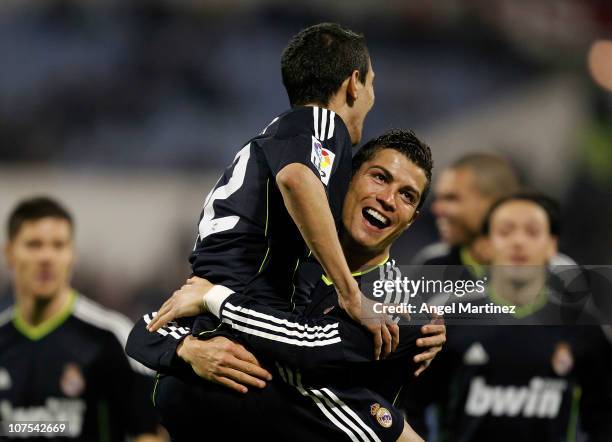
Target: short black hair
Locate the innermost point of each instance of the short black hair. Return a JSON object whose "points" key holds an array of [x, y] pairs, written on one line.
{"points": [[406, 143], [34, 209], [494, 175], [548, 204], [318, 59]]}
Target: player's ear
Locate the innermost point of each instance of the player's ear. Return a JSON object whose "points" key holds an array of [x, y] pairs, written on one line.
{"points": [[352, 87]]}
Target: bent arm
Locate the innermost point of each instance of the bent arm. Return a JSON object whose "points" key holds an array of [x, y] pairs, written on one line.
{"points": [[306, 202], [157, 350], [291, 338]]}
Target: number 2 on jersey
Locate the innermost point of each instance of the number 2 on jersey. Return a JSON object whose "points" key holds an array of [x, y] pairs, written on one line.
{"points": [[209, 224]]}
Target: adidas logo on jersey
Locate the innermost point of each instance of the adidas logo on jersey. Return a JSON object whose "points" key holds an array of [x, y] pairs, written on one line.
{"points": [[475, 355], [5, 379], [542, 398]]}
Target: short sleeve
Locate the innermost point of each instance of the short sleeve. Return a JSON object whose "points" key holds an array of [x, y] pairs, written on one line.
{"points": [[301, 138]]}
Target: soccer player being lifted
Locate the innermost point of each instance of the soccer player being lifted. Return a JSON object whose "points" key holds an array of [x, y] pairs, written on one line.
{"points": [[276, 205], [280, 200]]}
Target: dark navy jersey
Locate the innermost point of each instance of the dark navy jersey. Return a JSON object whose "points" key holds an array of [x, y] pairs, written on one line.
{"points": [[323, 343], [326, 386], [246, 236], [72, 369], [517, 382]]}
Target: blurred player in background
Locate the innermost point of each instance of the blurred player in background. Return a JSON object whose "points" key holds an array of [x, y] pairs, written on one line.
{"points": [[463, 193], [61, 355], [520, 382]]}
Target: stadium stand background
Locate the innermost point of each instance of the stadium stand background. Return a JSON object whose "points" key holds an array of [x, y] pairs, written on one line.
{"points": [[128, 110]]}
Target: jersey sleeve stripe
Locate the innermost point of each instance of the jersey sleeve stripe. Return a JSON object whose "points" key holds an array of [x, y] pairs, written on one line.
{"points": [[175, 331], [258, 315], [334, 414], [315, 112], [350, 412], [283, 339], [338, 411], [332, 124], [250, 322], [324, 113]]}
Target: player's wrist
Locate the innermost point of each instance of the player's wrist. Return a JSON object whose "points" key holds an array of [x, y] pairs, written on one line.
{"points": [[348, 289], [214, 298], [182, 349]]}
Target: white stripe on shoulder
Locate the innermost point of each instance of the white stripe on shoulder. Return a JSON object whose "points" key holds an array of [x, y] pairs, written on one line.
{"points": [[562, 260], [315, 113], [324, 113], [431, 251], [269, 124], [6, 316], [332, 124], [112, 321]]}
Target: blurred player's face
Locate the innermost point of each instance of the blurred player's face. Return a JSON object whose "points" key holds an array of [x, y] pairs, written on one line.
{"points": [[41, 257], [363, 102], [519, 235], [382, 199], [459, 207]]}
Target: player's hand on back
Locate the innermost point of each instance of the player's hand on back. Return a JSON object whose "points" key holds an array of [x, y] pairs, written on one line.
{"points": [[186, 301], [432, 344], [384, 331], [224, 362]]}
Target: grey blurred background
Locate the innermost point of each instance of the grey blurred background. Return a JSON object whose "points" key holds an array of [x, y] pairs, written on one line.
{"points": [[128, 110]]}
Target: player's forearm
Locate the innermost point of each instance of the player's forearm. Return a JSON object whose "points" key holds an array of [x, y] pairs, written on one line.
{"points": [[306, 202], [289, 338], [154, 350]]}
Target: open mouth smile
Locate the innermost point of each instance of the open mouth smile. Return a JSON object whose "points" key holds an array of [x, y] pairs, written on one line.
{"points": [[375, 218]]}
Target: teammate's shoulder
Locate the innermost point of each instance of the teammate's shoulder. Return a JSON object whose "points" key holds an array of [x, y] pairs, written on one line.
{"points": [[432, 253], [109, 322], [307, 120], [102, 318], [6, 316], [561, 259]]}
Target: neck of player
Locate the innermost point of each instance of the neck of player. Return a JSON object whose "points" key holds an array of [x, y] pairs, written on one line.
{"points": [[477, 250], [515, 287], [360, 258], [35, 310]]}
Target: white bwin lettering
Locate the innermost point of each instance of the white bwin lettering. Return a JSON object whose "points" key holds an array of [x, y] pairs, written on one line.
{"points": [[542, 398], [70, 411]]}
